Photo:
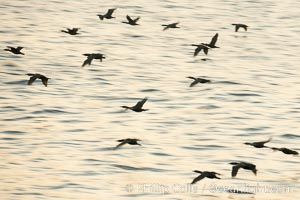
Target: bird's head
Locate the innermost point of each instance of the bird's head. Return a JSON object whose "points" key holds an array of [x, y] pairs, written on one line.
{"points": [[197, 171]]}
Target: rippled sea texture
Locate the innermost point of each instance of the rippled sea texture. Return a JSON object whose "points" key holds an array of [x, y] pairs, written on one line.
{"points": [[57, 142]]}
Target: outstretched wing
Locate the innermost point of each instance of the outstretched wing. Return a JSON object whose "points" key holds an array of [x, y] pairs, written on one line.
{"points": [[110, 11], [141, 103], [205, 49], [129, 19], [88, 60], [266, 141], [194, 83], [198, 178], [235, 170], [19, 48], [121, 144], [136, 19], [191, 77], [45, 81], [260, 144], [166, 27], [32, 78], [214, 40], [197, 50]]}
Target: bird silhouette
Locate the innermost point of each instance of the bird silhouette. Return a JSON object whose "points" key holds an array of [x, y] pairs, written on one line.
{"points": [[198, 80], [173, 25], [238, 191], [91, 56], [108, 14], [205, 174], [15, 50], [71, 31], [213, 41], [127, 141], [285, 150], [258, 144], [138, 106], [199, 48], [39, 76], [131, 21], [244, 165], [238, 26]]}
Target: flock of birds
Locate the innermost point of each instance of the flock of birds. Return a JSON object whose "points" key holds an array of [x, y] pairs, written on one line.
{"points": [[91, 56], [138, 107]]}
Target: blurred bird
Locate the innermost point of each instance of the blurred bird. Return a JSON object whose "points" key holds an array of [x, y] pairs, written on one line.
{"points": [[237, 26], [238, 191], [258, 144], [198, 80], [173, 25], [244, 165], [127, 141], [285, 150], [73, 31], [199, 48], [131, 21], [91, 56], [40, 76], [212, 42], [205, 174], [108, 14], [14, 50], [138, 106]]}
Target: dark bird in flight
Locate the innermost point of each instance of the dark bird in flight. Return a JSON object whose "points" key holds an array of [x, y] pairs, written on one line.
{"points": [[199, 48], [127, 141], [237, 26], [258, 144], [71, 31], [131, 21], [40, 76], [91, 56], [14, 50], [285, 150], [173, 25], [198, 80], [205, 174], [238, 191], [244, 165], [213, 41], [138, 106], [108, 14]]}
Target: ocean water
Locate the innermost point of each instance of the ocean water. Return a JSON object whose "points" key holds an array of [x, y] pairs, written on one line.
{"points": [[57, 142]]}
